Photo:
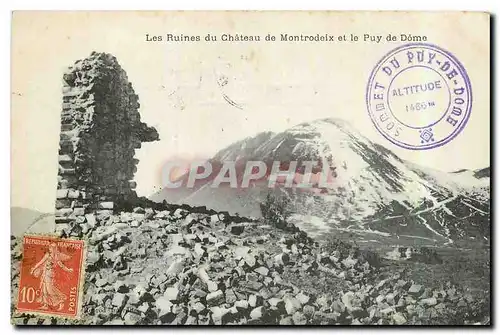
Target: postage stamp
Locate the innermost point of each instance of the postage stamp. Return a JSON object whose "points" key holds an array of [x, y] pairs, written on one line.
{"points": [[419, 96], [51, 276]]}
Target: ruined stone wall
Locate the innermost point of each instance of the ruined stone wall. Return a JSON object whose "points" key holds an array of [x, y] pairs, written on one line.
{"points": [[100, 130]]}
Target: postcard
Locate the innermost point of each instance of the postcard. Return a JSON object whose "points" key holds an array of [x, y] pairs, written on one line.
{"points": [[250, 168]]}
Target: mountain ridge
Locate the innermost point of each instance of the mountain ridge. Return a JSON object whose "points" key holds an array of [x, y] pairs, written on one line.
{"points": [[372, 185]]}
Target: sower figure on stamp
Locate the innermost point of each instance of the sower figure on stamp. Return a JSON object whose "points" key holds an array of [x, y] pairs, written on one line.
{"points": [[50, 295]]}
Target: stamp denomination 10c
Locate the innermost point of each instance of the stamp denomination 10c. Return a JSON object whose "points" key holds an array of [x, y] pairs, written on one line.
{"points": [[51, 276]]}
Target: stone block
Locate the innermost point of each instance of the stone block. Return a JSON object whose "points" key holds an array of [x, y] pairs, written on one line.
{"points": [[63, 203], [65, 145], [65, 159], [64, 212], [66, 171], [66, 106], [61, 194], [78, 211], [62, 227], [73, 194], [106, 205], [67, 127]]}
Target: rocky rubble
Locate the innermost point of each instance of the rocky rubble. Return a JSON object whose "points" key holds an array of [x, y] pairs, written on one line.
{"points": [[180, 267]]}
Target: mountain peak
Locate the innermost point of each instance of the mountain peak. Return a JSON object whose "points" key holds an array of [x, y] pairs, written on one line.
{"points": [[325, 123], [372, 190]]}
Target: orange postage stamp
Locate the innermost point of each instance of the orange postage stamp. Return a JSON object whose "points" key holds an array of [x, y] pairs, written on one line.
{"points": [[51, 276]]}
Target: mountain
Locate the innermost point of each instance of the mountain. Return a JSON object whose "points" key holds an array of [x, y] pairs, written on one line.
{"points": [[373, 191], [482, 173]]}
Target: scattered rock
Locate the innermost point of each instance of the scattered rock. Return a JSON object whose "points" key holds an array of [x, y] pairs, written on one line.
{"points": [[303, 298], [292, 305], [132, 318], [230, 270], [282, 259], [262, 270], [299, 318], [230, 296], [139, 210], [119, 300], [144, 308], [399, 318], [164, 305], [242, 304], [308, 311], [414, 289], [428, 301], [257, 313], [250, 260], [237, 229], [286, 321], [215, 298], [171, 293], [252, 300], [176, 267]]}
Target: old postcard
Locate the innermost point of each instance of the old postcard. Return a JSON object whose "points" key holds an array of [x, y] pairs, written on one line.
{"points": [[250, 168]]}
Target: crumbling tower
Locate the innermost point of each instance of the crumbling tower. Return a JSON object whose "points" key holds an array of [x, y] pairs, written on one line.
{"points": [[100, 129]]}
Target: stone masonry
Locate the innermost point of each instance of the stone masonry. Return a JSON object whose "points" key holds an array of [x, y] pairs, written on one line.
{"points": [[100, 130]]}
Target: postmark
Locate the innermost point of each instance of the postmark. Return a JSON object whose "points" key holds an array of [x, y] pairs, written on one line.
{"points": [[51, 276], [419, 96]]}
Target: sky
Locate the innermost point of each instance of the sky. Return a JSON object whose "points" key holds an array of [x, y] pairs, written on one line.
{"points": [[202, 97]]}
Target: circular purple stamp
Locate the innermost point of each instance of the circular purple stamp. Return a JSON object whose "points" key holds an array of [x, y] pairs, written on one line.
{"points": [[419, 96]]}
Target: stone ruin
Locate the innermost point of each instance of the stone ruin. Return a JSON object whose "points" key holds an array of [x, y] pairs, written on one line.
{"points": [[100, 129]]}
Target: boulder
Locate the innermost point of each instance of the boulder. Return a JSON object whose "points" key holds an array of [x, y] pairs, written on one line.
{"points": [[252, 300], [121, 287], [237, 229], [415, 289], [250, 260], [215, 298], [303, 298], [131, 318], [171, 293], [282, 259], [262, 270], [299, 318], [199, 250], [218, 313], [91, 221], [214, 218], [240, 251], [101, 282], [176, 267], [257, 313], [292, 305], [144, 308], [230, 296], [119, 300], [428, 301], [399, 318], [241, 304], [164, 305], [286, 321], [139, 210], [198, 307], [338, 306], [308, 311]]}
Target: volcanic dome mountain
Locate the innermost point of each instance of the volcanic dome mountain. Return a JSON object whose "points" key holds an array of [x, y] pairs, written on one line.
{"points": [[373, 190]]}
